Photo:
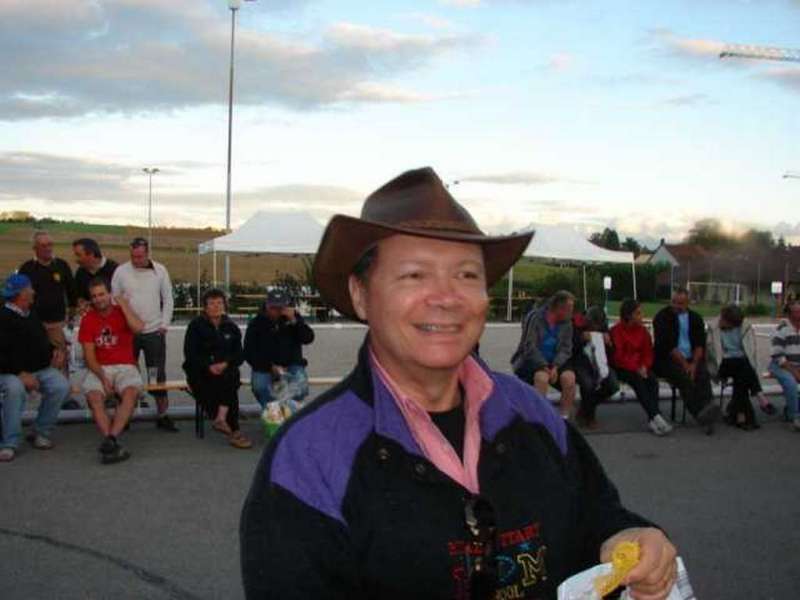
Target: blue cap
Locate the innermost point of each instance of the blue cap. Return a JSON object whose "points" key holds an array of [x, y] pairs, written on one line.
{"points": [[277, 297], [14, 285]]}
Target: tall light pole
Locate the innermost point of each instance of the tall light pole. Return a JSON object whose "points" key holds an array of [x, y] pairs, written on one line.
{"points": [[233, 5], [790, 175], [760, 53], [150, 172]]}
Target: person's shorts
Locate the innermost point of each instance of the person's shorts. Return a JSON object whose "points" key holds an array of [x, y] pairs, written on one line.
{"points": [[567, 366], [121, 376]]}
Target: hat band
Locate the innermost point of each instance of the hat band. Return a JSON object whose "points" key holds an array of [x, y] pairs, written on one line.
{"points": [[439, 226]]}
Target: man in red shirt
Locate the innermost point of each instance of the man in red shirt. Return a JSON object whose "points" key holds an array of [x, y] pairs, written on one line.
{"points": [[106, 334]]}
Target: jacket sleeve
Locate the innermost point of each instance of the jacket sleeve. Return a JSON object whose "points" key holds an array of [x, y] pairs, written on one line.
{"points": [[304, 333], [647, 349], [663, 336], [698, 333], [69, 285], [6, 350], [750, 346], [527, 350], [167, 300], [564, 352], [196, 360], [288, 549], [713, 351], [237, 354], [601, 512], [252, 335]]}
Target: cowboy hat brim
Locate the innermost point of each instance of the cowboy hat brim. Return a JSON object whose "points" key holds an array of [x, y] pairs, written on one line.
{"points": [[347, 239]]}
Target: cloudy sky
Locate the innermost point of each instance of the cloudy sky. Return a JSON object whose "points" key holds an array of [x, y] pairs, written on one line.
{"points": [[590, 112]]}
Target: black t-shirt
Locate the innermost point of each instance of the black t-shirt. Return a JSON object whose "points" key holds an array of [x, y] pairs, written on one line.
{"points": [[83, 277], [54, 287], [452, 424]]}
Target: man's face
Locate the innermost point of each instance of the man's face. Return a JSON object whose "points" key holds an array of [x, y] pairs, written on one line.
{"points": [[101, 298], [680, 303], [83, 258], [425, 301], [564, 311], [140, 257], [43, 248], [24, 299], [215, 308], [794, 314]]}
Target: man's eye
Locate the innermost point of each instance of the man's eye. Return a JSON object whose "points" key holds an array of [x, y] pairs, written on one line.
{"points": [[412, 275], [469, 275]]}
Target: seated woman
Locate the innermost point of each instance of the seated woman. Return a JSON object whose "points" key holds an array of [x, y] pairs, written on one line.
{"points": [[633, 362], [732, 355], [590, 359], [212, 351]]}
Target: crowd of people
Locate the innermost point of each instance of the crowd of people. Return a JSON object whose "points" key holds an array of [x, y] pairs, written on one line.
{"points": [[120, 312], [567, 349]]}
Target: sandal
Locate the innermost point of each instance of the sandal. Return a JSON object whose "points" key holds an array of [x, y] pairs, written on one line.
{"points": [[238, 440], [222, 427]]}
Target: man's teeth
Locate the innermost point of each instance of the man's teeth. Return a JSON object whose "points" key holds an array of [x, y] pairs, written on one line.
{"points": [[438, 328]]}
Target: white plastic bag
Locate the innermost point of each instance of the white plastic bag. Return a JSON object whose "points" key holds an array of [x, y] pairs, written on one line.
{"points": [[581, 586]]}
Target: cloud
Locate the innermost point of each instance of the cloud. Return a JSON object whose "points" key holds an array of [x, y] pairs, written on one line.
{"points": [[519, 178], [688, 47], [99, 56], [561, 62], [786, 76], [688, 100]]}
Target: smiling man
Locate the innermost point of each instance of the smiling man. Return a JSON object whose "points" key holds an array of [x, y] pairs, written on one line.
{"points": [[424, 474]]}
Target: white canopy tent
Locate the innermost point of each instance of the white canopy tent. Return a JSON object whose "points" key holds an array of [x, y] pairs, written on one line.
{"points": [[287, 233], [564, 243]]}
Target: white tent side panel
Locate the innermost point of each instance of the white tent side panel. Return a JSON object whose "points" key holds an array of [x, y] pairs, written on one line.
{"points": [[269, 233]]}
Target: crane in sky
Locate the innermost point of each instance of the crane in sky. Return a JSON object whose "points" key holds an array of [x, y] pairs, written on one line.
{"points": [[760, 52]]}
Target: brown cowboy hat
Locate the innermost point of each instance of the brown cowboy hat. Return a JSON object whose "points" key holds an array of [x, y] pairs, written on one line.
{"points": [[414, 203]]}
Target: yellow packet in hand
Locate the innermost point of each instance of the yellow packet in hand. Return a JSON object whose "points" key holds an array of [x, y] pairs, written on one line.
{"points": [[624, 557]]}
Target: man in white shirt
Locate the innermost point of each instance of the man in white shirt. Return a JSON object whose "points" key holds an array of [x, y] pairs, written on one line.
{"points": [[147, 286]]}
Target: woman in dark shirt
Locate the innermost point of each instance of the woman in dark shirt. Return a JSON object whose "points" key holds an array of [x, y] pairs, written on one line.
{"points": [[212, 351]]}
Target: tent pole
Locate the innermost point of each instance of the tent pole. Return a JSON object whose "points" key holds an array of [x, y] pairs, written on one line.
{"points": [[585, 294], [633, 270], [198, 278], [214, 269], [510, 293]]}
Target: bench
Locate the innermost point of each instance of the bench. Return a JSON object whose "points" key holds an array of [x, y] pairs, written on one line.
{"points": [[181, 385]]}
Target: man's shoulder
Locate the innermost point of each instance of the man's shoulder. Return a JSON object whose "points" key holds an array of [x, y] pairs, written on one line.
{"points": [[27, 267], [62, 264]]}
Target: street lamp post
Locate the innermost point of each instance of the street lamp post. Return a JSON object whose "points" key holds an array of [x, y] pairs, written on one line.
{"points": [[150, 172]]}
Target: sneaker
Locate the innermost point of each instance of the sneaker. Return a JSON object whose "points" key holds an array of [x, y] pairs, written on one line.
{"points": [[796, 424], [167, 424], [118, 454], [107, 446], [660, 426], [41, 442], [7, 454]]}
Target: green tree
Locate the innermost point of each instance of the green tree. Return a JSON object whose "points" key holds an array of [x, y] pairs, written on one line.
{"points": [[631, 245], [609, 239]]}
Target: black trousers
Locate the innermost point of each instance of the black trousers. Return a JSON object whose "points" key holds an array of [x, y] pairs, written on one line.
{"points": [[154, 346], [696, 394], [593, 391], [645, 388], [215, 391], [745, 383]]}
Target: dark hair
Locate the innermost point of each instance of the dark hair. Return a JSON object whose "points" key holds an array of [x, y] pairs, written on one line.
{"points": [[90, 246], [362, 267], [560, 298], [596, 318], [679, 291], [732, 315], [138, 242], [99, 281], [215, 293], [627, 308]]}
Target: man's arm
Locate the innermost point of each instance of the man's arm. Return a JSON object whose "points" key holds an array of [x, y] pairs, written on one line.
{"points": [[133, 320], [167, 300], [69, 285], [564, 351]]}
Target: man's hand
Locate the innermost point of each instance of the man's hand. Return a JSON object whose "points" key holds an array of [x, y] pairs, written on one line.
{"points": [[643, 372], [277, 371], [553, 372], [607, 339], [120, 300], [58, 358], [654, 576], [217, 368], [83, 307], [108, 387], [288, 312], [163, 330], [29, 381]]}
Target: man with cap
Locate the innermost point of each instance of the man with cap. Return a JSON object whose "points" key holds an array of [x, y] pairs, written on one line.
{"points": [[273, 347], [424, 474], [26, 359]]}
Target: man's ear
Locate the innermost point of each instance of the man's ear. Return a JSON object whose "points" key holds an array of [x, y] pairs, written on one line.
{"points": [[358, 296]]}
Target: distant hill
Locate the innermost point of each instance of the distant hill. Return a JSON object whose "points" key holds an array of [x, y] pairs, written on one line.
{"points": [[175, 247]]}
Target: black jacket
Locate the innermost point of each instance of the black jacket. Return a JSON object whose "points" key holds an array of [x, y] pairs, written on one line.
{"points": [[268, 342], [666, 332], [83, 277], [24, 345], [344, 504], [54, 287], [205, 345]]}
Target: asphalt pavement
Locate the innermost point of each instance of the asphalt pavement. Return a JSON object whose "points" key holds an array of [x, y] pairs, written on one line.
{"points": [[164, 524]]}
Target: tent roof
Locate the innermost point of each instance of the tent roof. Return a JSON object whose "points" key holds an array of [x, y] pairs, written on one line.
{"points": [[270, 233], [561, 242]]}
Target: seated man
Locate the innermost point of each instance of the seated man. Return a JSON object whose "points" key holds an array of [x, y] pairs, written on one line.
{"points": [[27, 356], [591, 351], [545, 349], [273, 347], [106, 335], [680, 348], [785, 360]]}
